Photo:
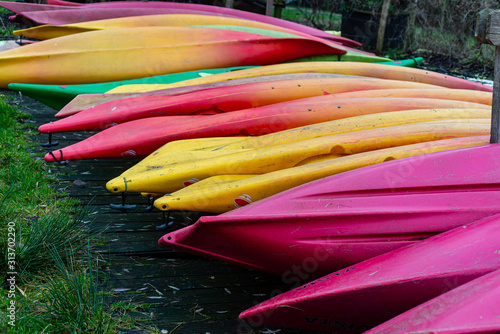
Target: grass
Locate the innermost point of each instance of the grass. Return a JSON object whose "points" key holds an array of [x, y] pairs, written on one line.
{"points": [[57, 288]]}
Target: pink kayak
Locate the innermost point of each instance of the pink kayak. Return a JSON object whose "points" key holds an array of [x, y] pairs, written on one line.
{"points": [[144, 136], [366, 294], [471, 308], [223, 11], [353, 216]]}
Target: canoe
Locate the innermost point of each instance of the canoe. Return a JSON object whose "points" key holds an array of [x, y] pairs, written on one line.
{"points": [[353, 216], [471, 308], [350, 68], [168, 178], [57, 96], [359, 297], [215, 10], [227, 98], [228, 197], [86, 101], [142, 137], [143, 51]]}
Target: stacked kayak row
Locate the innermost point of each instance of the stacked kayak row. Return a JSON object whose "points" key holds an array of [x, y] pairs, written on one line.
{"points": [[370, 186]]}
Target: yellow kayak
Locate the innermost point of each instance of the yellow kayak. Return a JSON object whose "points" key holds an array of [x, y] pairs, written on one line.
{"points": [[128, 53], [226, 196], [268, 159], [204, 148], [346, 68]]}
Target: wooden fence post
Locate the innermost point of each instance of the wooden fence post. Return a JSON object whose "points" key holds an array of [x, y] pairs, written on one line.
{"points": [[269, 7], [381, 26], [488, 32]]}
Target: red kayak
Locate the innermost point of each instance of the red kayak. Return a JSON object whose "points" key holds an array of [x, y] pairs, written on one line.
{"points": [[19, 7], [471, 308], [366, 294], [146, 135], [217, 100], [92, 100], [215, 10], [221, 99], [351, 217]]}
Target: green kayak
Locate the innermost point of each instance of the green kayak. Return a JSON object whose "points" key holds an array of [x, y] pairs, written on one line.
{"points": [[57, 96]]}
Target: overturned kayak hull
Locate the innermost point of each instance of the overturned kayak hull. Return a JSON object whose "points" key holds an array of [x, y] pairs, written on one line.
{"points": [[232, 98], [145, 52], [471, 308], [142, 137], [58, 96], [351, 217], [366, 294]]}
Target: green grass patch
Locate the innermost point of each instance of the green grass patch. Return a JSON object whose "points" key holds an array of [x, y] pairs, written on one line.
{"points": [[49, 276]]}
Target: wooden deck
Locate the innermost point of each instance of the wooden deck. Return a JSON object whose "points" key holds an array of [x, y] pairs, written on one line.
{"points": [[186, 294]]}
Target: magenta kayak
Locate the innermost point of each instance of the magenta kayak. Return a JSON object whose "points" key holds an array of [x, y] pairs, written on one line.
{"points": [[471, 308], [223, 11], [347, 218], [357, 298]]}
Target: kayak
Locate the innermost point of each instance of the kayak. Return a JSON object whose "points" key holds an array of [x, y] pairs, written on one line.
{"points": [[373, 70], [19, 7], [76, 15], [203, 148], [143, 51], [57, 96], [231, 98], [359, 297], [216, 10], [181, 20], [8, 45], [428, 93], [142, 137], [168, 178], [471, 308], [86, 101], [353, 216], [227, 197], [96, 97]]}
